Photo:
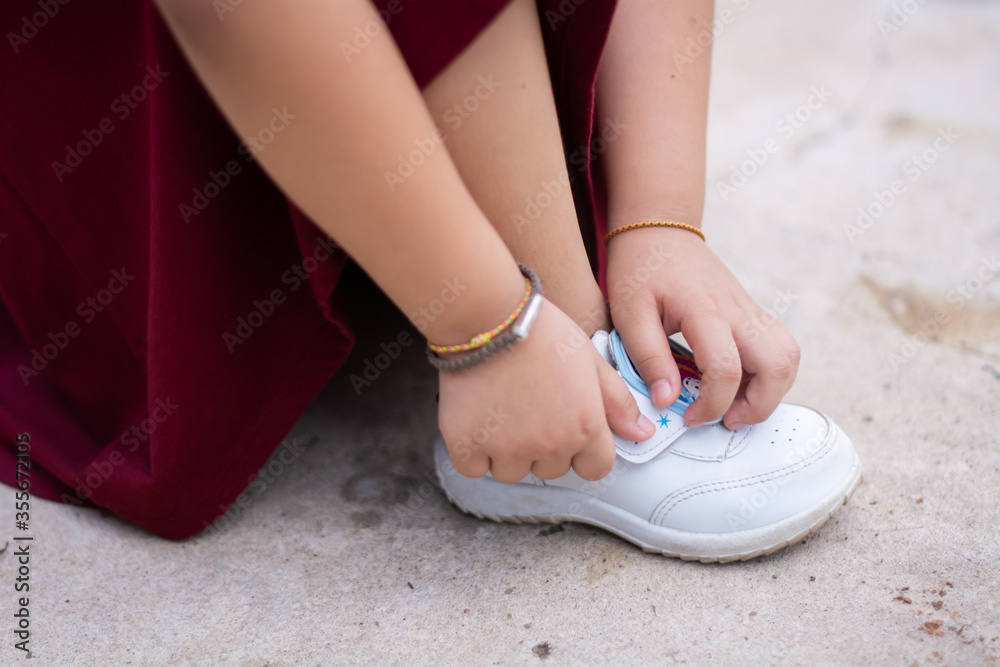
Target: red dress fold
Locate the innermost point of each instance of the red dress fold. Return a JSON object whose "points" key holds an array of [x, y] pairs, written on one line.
{"points": [[166, 313]]}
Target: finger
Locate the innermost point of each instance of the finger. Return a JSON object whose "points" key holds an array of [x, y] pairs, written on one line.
{"points": [[596, 461], [646, 343], [467, 459], [509, 470], [717, 356], [466, 455], [772, 364], [597, 456], [620, 409], [550, 468]]}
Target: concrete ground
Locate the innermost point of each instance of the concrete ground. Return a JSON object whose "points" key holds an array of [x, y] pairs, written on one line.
{"points": [[349, 554]]}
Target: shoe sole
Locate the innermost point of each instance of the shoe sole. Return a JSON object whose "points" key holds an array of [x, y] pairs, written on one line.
{"points": [[487, 498]]}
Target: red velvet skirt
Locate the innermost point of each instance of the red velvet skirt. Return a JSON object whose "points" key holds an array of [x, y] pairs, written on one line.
{"points": [[166, 313]]}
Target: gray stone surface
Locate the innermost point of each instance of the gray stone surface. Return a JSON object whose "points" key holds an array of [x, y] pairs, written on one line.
{"points": [[349, 555]]}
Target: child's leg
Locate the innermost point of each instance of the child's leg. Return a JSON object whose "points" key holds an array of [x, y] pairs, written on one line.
{"points": [[494, 104]]}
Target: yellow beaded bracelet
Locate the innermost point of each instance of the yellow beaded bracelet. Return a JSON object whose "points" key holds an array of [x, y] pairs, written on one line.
{"points": [[482, 339], [654, 223]]}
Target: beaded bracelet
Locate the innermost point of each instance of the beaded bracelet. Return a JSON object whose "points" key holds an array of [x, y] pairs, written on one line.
{"points": [[654, 223], [505, 339], [479, 340]]}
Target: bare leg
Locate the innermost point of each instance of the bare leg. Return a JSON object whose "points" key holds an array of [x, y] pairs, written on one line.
{"points": [[494, 104]]}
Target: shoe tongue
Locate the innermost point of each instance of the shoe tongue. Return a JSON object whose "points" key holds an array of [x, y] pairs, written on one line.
{"points": [[669, 421]]}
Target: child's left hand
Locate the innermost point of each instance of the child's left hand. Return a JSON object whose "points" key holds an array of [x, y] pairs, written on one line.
{"points": [[663, 280]]}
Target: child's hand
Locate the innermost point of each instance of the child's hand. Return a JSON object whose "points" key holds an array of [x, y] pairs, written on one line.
{"points": [[663, 280], [541, 407]]}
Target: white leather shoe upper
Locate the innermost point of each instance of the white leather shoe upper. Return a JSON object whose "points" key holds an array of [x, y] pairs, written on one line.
{"points": [[713, 480]]}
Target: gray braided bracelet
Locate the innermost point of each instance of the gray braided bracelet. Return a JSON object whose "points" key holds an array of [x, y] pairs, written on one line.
{"points": [[518, 330]]}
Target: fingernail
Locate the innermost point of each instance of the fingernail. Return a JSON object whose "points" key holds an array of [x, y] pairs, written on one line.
{"points": [[694, 423], [661, 392], [735, 426], [646, 426]]}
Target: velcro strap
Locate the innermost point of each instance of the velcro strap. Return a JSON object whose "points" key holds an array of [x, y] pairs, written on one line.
{"points": [[670, 421]]}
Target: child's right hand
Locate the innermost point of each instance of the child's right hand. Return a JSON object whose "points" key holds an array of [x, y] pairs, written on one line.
{"points": [[748, 360], [542, 407]]}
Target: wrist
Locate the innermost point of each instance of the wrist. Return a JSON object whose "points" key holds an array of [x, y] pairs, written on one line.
{"points": [[470, 304], [651, 247], [688, 215], [642, 260], [486, 345]]}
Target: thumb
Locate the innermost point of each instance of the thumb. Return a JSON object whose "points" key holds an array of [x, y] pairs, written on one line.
{"points": [[646, 343], [620, 408]]}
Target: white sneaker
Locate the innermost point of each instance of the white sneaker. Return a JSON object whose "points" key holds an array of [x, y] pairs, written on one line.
{"points": [[707, 494]]}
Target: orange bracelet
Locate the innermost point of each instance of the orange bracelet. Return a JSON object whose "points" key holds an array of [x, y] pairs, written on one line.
{"points": [[654, 223], [482, 339]]}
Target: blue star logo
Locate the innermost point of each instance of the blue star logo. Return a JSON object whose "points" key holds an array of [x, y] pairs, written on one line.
{"points": [[664, 420]]}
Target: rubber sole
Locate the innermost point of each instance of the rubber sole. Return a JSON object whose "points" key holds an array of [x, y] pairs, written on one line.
{"points": [[487, 498]]}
